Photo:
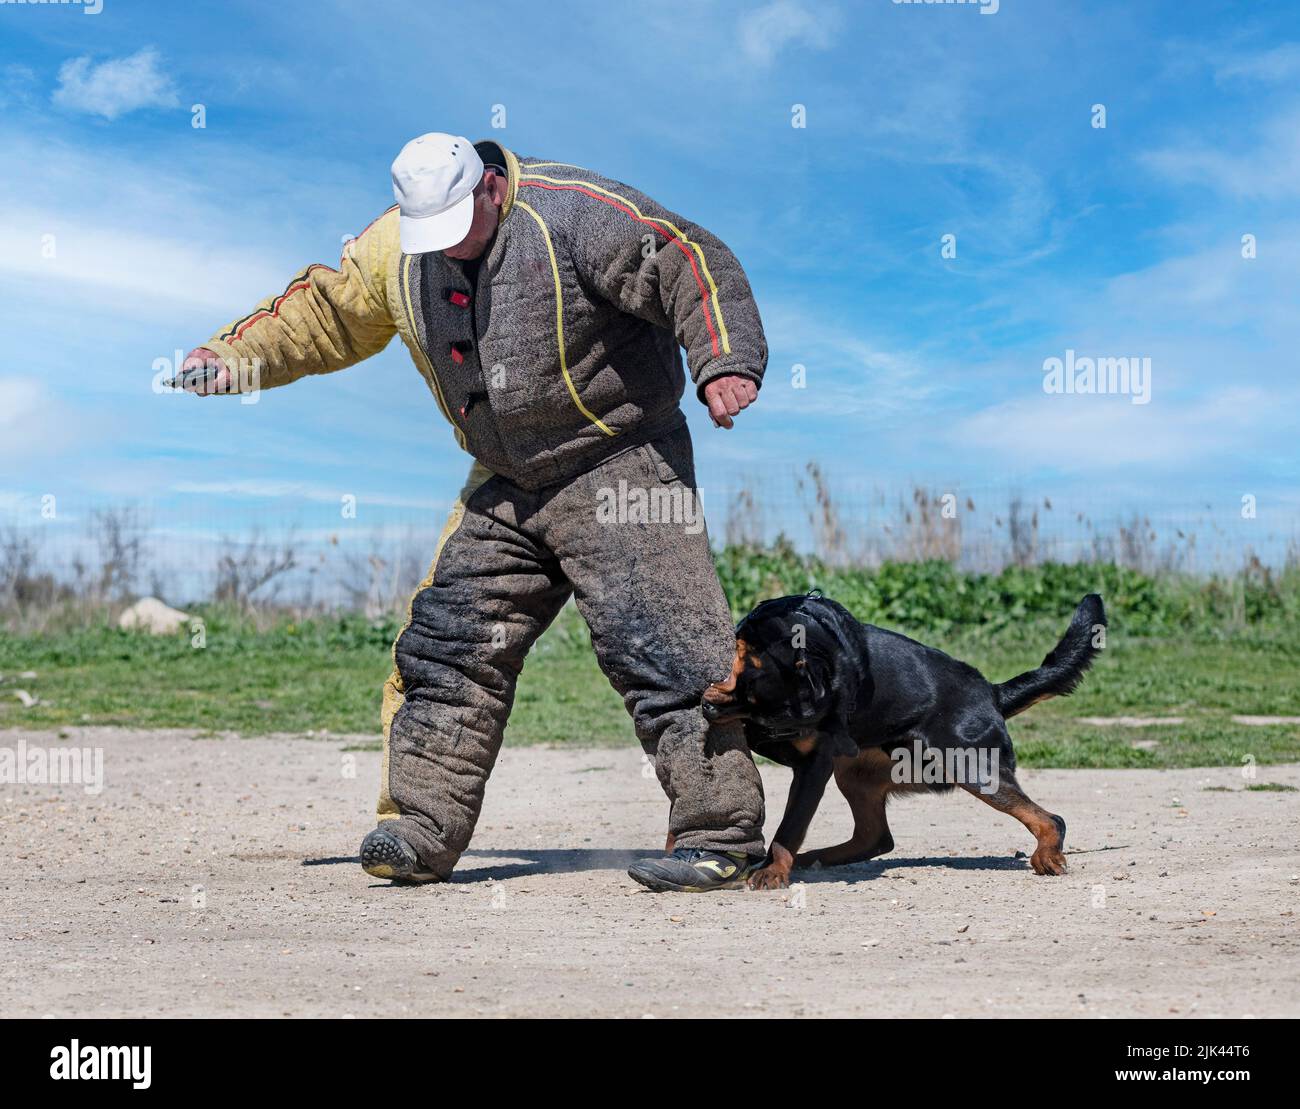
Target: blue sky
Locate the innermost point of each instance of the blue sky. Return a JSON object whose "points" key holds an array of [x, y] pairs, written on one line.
{"points": [[922, 120]]}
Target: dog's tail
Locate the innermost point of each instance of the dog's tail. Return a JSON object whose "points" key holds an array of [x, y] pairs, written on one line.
{"points": [[1063, 669]]}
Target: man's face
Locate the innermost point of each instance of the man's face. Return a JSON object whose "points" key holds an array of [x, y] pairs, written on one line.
{"points": [[488, 197]]}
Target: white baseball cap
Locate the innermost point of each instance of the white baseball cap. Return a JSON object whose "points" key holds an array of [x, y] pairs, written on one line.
{"points": [[434, 179]]}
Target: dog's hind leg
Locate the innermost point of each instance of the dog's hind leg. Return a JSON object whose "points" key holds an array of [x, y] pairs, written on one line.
{"points": [[1046, 827], [865, 783]]}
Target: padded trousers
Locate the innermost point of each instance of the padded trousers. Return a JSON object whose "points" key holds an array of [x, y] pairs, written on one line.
{"points": [[627, 541]]}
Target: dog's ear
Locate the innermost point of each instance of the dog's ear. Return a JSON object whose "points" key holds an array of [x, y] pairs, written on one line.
{"points": [[818, 679], [851, 682], [837, 727], [813, 674], [837, 731]]}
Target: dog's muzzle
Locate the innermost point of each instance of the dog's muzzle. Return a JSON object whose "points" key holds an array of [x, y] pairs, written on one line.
{"points": [[719, 703], [719, 713]]}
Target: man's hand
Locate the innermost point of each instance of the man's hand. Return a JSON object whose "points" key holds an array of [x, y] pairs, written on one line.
{"points": [[727, 395], [209, 372]]}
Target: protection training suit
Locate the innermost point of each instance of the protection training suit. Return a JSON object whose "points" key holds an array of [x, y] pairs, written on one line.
{"points": [[557, 361]]}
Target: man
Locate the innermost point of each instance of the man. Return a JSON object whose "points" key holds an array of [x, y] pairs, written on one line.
{"points": [[545, 307]]}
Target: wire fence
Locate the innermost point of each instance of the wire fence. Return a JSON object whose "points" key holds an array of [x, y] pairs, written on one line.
{"points": [[321, 555]]}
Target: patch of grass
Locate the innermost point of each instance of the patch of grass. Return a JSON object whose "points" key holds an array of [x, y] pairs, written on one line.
{"points": [[326, 674], [322, 675], [936, 595], [1206, 680]]}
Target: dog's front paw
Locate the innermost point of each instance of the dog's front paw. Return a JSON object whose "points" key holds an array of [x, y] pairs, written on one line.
{"points": [[770, 877]]}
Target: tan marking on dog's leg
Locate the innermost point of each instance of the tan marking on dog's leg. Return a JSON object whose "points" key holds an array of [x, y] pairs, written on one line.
{"points": [[776, 875], [1049, 858], [865, 783]]}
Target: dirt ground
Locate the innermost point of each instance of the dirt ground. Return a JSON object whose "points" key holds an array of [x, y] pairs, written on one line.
{"points": [[216, 877]]}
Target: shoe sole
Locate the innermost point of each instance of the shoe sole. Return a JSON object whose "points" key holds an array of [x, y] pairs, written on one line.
{"points": [[382, 858], [415, 878]]}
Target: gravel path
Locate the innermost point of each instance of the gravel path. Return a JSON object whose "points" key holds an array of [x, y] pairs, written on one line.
{"points": [[215, 877]]}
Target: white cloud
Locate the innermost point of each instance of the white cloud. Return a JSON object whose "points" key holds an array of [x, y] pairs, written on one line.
{"points": [[1219, 330], [132, 263], [19, 400], [261, 487], [32, 422], [1269, 169], [847, 375], [768, 31], [1093, 434], [1278, 64], [119, 234], [115, 87], [17, 85]]}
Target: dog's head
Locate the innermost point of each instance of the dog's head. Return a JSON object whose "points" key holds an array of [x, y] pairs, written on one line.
{"points": [[798, 669]]}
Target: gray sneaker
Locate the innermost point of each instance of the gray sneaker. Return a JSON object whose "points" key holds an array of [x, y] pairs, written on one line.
{"points": [[385, 855], [691, 870]]}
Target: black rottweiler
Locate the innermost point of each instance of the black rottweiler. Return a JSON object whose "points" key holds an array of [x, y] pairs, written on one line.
{"points": [[827, 695]]}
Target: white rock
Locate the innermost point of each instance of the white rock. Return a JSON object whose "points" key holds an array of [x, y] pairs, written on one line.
{"points": [[151, 615]]}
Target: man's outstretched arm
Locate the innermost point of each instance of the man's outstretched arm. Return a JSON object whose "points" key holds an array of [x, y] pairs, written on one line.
{"points": [[324, 320]]}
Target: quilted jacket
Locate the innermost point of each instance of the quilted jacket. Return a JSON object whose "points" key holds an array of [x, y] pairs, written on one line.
{"points": [[564, 349]]}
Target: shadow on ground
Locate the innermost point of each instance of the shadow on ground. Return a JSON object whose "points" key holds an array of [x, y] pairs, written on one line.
{"points": [[545, 860]]}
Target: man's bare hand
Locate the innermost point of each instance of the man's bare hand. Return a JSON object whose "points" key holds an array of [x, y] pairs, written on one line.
{"points": [[204, 372], [727, 395]]}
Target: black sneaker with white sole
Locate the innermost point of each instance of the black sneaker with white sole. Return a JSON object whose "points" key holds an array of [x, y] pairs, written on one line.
{"points": [[690, 870], [385, 855]]}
